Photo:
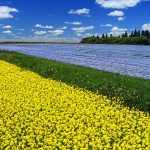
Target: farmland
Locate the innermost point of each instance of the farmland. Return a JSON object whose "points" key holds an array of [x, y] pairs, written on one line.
{"points": [[48, 114], [134, 92]]}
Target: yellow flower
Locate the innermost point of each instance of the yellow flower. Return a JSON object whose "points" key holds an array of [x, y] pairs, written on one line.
{"points": [[39, 113]]}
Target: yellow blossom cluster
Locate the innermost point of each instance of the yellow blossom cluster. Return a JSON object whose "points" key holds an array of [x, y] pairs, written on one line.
{"points": [[39, 113]]}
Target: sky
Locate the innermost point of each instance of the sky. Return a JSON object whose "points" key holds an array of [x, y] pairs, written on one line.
{"points": [[70, 20]]}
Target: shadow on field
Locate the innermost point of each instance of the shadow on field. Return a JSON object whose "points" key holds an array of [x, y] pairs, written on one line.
{"points": [[134, 92]]}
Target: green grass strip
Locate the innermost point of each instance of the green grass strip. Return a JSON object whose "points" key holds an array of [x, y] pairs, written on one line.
{"points": [[134, 92]]}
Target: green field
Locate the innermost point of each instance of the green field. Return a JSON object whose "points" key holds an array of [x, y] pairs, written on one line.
{"points": [[134, 92]]}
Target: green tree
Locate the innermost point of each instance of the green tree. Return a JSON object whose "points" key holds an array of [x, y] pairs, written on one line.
{"points": [[106, 35], [126, 34], [103, 36], [143, 33], [147, 34], [132, 34], [139, 33], [135, 33], [123, 35]]}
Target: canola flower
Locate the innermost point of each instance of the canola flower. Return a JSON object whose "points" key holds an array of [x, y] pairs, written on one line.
{"points": [[38, 113]]}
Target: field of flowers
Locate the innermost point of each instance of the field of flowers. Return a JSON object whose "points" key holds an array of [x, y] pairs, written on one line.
{"points": [[39, 113]]}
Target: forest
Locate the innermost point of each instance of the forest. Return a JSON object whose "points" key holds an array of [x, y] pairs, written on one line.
{"points": [[134, 38]]}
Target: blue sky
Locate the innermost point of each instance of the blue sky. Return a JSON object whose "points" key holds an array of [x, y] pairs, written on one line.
{"points": [[70, 20]]}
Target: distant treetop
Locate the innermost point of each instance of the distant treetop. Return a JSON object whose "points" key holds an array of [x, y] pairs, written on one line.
{"points": [[136, 37]]}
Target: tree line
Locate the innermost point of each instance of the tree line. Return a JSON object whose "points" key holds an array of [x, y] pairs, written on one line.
{"points": [[136, 37], [138, 33]]}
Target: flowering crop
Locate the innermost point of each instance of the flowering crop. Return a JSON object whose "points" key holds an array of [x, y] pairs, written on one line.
{"points": [[38, 113], [124, 59]]}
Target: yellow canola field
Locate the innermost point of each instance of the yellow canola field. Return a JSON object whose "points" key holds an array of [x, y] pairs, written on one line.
{"points": [[38, 113]]}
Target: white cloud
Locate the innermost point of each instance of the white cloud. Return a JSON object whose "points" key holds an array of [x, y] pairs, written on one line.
{"points": [[115, 31], [146, 26], [87, 34], [22, 29], [5, 12], [43, 27], [121, 18], [63, 28], [56, 32], [74, 23], [79, 34], [83, 11], [7, 32], [116, 13], [117, 4], [38, 26], [7, 27], [132, 29], [90, 34], [82, 29], [40, 38], [106, 25], [40, 32]]}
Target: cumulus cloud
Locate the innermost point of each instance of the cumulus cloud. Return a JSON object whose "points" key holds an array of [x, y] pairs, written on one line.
{"points": [[106, 25], [56, 32], [121, 18], [43, 27], [40, 32], [7, 32], [116, 13], [122, 4], [5, 12], [74, 23], [83, 11], [82, 29], [115, 31], [83, 35], [7, 27], [146, 26], [88, 34], [63, 28]]}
